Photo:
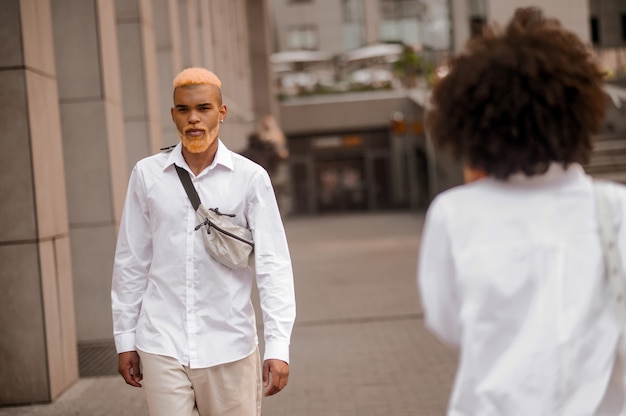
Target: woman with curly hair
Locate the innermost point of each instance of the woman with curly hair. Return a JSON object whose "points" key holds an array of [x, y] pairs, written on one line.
{"points": [[511, 267]]}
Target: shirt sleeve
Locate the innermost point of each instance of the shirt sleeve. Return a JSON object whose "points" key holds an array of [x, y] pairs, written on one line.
{"points": [[274, 272], [436, 278], [133, 255]]}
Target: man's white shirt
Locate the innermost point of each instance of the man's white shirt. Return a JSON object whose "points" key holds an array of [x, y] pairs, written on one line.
{"points": [[169, 296]]}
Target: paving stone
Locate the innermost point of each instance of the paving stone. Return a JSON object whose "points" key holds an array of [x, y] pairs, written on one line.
{"points": [[359, 347]]}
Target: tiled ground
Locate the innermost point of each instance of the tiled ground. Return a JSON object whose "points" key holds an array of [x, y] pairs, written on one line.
{"points": [[358, 348]]}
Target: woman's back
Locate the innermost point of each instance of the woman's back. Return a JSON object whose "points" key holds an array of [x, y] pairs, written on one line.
{"points": [[512, 271]]}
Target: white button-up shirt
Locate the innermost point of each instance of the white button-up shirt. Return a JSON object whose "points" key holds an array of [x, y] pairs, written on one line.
{"points": [[513, 273], [169, 296]]}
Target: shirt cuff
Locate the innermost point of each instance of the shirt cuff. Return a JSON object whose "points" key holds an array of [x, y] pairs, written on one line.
{"points": [[276, 350], [125, 342]]}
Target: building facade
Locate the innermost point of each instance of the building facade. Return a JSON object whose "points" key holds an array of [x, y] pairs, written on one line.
{"points": [[382, 139], [85, 92]]}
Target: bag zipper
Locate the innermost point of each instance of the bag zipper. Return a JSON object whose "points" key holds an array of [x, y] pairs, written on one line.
{"points": [[210, 224]]}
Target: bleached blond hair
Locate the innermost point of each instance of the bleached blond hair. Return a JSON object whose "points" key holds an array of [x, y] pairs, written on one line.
{"points": [[196, 76]]}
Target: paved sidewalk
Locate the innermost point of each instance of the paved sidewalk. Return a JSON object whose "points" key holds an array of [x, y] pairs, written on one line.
{"points": [[358, 348]]}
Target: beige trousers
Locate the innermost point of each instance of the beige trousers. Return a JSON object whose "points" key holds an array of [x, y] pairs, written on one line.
{"points": [[232, 389]]}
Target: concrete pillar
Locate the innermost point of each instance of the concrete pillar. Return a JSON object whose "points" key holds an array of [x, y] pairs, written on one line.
{"points": [[188, 26], [87, 66], [264, 97], [37, 324], [230, 60], [140, 81], [168, 49]]}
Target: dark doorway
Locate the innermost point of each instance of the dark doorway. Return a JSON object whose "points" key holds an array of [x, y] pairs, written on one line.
{"points": [[341, 185]]}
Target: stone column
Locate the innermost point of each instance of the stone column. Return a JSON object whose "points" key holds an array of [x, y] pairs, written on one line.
{"points": [[260, 40], [168, 50], [37, 324], [230, 57], [140, 81], [87, 65]]}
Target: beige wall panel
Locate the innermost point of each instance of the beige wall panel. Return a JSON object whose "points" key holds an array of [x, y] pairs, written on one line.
{"points": [[66, 305], [132, 67], [208, 43], [219, 16], [114, 117], [76, 49], [52, 315], [67, 313], [24, 377], [161, 16], [37, 32], [136, 142], [17, 202], [188, 29], [166, 91], [92, 281], [11, 35], [137, 48], [126, 9], [119, 172], [47, 155], [174, 23], [59, 316], [151, 80], [193, 33], [86, 155], [109, 53], [168, 62]]}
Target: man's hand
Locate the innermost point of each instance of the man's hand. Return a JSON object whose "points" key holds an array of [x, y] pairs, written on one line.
{"points": [[128, 367], [275, 375]]}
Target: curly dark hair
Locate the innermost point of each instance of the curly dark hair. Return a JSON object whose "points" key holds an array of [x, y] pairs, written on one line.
{"points": [[520, 99]]}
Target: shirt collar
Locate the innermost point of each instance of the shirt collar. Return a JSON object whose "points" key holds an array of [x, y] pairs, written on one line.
{"points": [[555, 172], [222, 157]]}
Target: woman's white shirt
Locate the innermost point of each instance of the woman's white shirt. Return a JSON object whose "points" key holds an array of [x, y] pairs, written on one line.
{"points": [[512, 272]]}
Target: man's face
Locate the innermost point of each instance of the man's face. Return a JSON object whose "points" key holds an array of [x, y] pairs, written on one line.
{"points": [[197, 113]]}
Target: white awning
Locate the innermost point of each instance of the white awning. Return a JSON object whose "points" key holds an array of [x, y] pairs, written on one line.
{"points": [[378, 50], [300, 56]]}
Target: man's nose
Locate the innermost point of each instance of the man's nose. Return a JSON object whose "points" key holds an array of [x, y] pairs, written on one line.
{"points": [[193, 117]]}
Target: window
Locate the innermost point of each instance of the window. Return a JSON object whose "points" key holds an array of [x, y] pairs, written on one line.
{"points": [[595, 30], [303, 37], [477, 24], [415, 22], [353, 24], [624, 27]]}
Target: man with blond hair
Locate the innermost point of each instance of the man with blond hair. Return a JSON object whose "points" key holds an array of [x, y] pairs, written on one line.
{"points": [[183, 322]]}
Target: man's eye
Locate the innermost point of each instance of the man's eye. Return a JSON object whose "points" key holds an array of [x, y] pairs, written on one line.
{"points": [[204, 108], [182, 109]]}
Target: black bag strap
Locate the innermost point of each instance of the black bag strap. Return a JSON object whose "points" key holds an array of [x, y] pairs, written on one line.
{"points": [[189, 188]]}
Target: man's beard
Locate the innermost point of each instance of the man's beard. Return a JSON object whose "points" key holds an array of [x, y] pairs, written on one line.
{"points": [[195, 144]]}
